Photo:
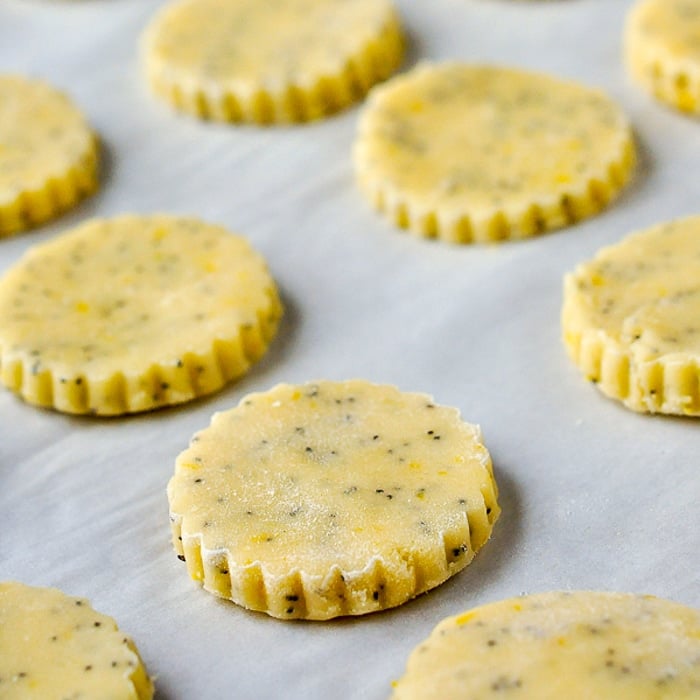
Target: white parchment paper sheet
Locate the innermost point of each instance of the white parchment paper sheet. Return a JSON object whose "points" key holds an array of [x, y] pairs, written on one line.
{"points": [[593, 496]]}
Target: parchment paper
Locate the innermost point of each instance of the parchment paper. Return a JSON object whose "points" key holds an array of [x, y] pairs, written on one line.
{"points": [[593, 495]]}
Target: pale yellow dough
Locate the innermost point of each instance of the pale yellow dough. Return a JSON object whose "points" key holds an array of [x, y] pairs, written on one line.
{"points": [[471, 153], [53, 647], [331, 498], [579, 646], [273, 61], [631, 319], [662, 50], [134, 313], [48, 154]]}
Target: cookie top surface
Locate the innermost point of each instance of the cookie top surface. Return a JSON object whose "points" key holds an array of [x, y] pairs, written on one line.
{"points": [[53, 646], [42, 135], [645, 291], [250, 45], [338, 476], [45, 142], [453, 140], [670, 26], [578, 645], [133, 296]]}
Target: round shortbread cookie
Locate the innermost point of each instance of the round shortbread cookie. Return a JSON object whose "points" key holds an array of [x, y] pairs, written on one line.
{"points": [[630, 319], [53, 647], [134, 313], [333, 498], [48, 154], [275, 61], [581, 645], [662, 50], [479, 153]]}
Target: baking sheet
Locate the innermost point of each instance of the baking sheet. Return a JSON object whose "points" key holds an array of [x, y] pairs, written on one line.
{"points": [[593, 496]]}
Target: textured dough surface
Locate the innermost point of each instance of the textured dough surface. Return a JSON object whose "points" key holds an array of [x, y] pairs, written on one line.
{"points": [[631, 318], [580, 645], [48, 154], [482, 153], [272, 61], [53, 647], [132, 313], [662, 49], [334, 498]]}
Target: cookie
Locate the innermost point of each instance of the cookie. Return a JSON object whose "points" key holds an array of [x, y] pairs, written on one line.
{"points": [[277, 61], [472, 153], [579, 645], [56, 646], [133, 313], [331, 498], [662, 50], [48, 154], [630, 319]]}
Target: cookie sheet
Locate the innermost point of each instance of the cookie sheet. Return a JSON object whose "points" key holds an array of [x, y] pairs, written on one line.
{"points": [[593, 496]]}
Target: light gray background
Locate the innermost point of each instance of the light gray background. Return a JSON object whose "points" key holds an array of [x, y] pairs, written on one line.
{"points": [[593, 495]]}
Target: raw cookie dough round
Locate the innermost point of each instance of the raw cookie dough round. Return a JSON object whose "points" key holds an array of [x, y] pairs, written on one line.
{"points": [[662, 50], [580, 646], [631, 319], [48, 154], [480, 153], [332, 498], [134, 313], [274, 61], [53, 646]]}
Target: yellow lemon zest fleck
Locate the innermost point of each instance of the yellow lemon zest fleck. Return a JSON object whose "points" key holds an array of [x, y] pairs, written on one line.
{"points": [[262, 537], [466, 617], [82, 307], [191, 465]]}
